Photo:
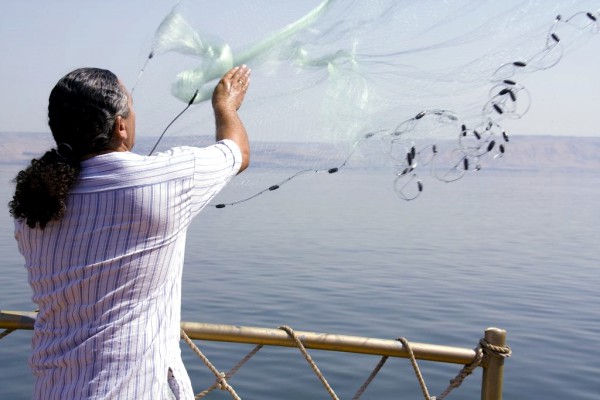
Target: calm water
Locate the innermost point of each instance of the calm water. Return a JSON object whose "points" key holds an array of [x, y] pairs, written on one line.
{"points": [[342, 254]]}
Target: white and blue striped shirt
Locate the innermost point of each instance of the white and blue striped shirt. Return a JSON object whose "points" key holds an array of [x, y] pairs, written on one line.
{"points": [[107, 276]]}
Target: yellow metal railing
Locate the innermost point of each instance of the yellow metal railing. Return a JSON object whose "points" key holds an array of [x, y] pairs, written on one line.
{"points": [[493, 345]]}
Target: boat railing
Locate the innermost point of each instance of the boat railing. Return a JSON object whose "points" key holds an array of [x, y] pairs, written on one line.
{"points": [[489, 353]]}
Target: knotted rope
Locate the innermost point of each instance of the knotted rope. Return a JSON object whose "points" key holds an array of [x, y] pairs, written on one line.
{"points": [[463, 373], [483, 347], [221, 377], [231, 372], [495, 351]]}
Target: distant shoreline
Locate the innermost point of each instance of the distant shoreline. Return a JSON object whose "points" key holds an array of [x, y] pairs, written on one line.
{"points": [[525, 152]]}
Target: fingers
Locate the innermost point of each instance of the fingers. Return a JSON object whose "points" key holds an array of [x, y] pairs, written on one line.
{"points": [[231, 90], [240, 77]]}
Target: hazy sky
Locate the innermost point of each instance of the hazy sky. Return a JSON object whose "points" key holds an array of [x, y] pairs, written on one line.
{"points": [[41, 40]]}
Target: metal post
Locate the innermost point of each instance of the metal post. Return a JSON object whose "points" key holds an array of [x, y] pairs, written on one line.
{"points": [[493, 371]]}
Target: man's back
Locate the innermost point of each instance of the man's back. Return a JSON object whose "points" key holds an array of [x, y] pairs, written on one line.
{"points": [[107, 276]]}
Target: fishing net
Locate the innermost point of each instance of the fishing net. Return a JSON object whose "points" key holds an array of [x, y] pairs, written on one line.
{"points": [[417, 90]]}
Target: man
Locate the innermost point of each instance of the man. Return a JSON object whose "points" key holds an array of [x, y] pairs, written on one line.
{"points": [[103, 230]]}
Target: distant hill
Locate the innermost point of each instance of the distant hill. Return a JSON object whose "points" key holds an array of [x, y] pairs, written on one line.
{"points": [[18, 148], [523, 152], [552, 152]]}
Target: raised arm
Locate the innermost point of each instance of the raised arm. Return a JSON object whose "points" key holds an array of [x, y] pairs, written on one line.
{"points": [[226, 100]]}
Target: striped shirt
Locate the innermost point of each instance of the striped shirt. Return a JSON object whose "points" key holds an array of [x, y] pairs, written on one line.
{"points": [[107, 276]]}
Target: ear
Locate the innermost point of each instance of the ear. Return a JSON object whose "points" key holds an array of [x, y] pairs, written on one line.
{"points": [[120, 130]]}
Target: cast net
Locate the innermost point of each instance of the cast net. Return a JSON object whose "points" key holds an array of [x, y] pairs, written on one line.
{"points": [[420, 91]]}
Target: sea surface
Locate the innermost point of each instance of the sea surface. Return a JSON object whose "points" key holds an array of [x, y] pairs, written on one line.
{"points": [[518, 250]]}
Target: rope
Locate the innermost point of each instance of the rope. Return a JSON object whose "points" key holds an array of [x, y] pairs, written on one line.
{"points": [[495, 351], [463, 373], [8, 331], [309, 359], [368, 381], [415, 366], [5, 333], [232, 371], [483, 348], [221, 378]]}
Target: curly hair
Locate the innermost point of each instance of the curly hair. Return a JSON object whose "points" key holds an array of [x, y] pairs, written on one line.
{"points": [[82, 110]]}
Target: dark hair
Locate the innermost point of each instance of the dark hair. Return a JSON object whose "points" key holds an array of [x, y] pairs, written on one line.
{"points": [[82, 111]]}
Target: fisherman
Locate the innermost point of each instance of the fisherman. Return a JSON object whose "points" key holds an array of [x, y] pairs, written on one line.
{"points": [[103, 231]]}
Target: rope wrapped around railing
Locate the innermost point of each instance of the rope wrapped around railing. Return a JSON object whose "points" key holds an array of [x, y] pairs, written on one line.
{"points": [[483, 355], [483, 348]]}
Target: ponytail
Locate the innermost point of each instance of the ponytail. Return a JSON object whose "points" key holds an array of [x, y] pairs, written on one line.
{"points": [[42, 188]]}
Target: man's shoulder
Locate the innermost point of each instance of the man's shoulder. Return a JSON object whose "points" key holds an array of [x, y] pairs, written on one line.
{"points": [[221, 145], [224, 152], [119, 170]]}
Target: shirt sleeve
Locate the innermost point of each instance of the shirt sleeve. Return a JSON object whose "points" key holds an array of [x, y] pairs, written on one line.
{"points": [[214, 167]]}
